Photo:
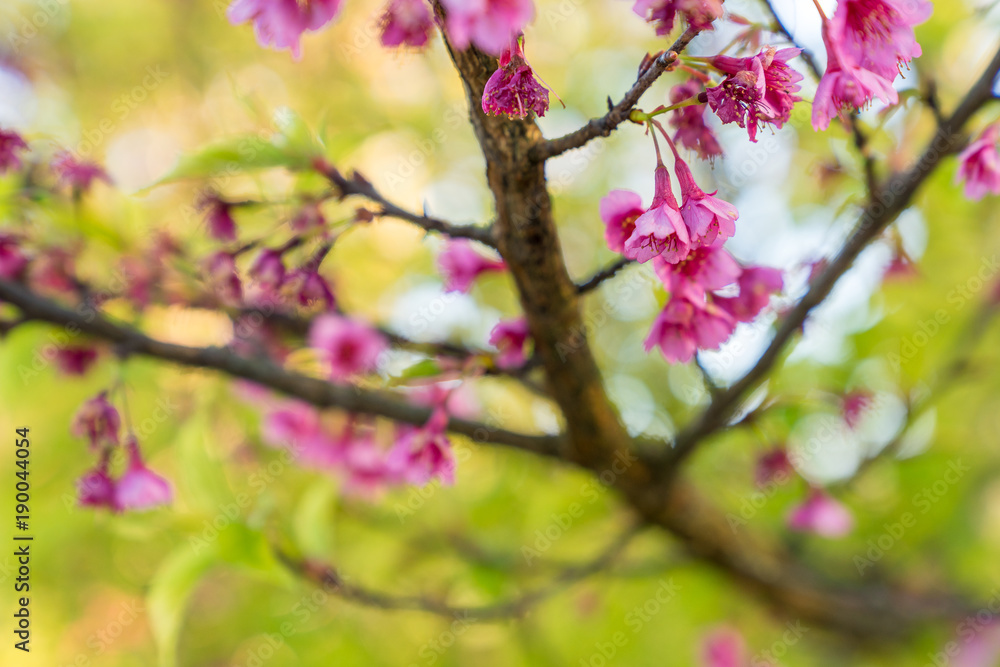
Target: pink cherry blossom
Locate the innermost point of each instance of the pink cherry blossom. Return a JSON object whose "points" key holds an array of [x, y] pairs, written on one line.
{"points": [[855, 404], [422, 454], [76, 359], [310, 289], [366, 468], [878, 34], [510, 337], [11, 144], [661, 229], [708, 218], [773, 466], [78, 174], [406, 22], [308, 217], [619, 210], [281, 23], [662, 13], [978, 644], [98, 421], [692, 131], [291, 424], [12, 259], [704, 270], [845, 85], [140, 488], [724, 648], [96, 489], [489, 24], [348, 346], [512, 90], [268, 271], [685, 326], [219, 217], [757, 284], [52, 271], [223, 278], [780, 81], [821, 515], [979, 165], [460, 264]]}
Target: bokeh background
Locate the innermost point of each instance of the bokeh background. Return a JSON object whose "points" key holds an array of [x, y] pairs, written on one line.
{"points": [[144, 87]]}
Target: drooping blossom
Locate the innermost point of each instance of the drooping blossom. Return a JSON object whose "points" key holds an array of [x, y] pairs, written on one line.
{"points": [[845, 86], [98, 421], [223, 278], [348, 346], [489, 24], [510, 337], [661, 229], [140, 489], [821, 515], [309, 217], [218, 217], [96, 488], [75, 359], [292, 423], [12, 259], [513, 90], [268, 271], [705, 269], [310, 289], [619, 210], [11, 145], [366, 467], [663, 13], [685, 326], [78, 174], [724, 647], [52, 271], [422, 454], [757, 90], [878, 34], [460, 264], [707, 217], [692, 131], [979, 165], [280, 23], [772, 466], [406, 22], [855, 404], [757, 284]]}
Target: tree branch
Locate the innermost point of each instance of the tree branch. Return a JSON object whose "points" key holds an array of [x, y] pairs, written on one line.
{"points": [[601, 276]]}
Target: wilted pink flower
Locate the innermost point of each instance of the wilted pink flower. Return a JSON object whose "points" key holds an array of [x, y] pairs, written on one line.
{"points": [[98, 421], [219, 217], [685, 326], [692, 132], [12, 260], [223, 278], [619, 210], [773, 466], [845, 85], [140, 488], [310, 289], [724, 648], [406, 22], [704, 270], [79, 174], [489, 24], [757, 284], [52, 271], [855, 404], [512, 90], [510, 337], [662, 13], [280, 23], [661, 229], [349, 347], [422, 454], [461, 264], [75, 360], [11, 144], [707, 218], [979, 165], [821, 515], [780, 82], [878, 34], [268, 271]]}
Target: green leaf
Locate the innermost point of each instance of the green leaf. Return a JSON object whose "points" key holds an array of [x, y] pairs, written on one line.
{"points": [[421, 369], [248, 549], [169, 592], [313, 519]]}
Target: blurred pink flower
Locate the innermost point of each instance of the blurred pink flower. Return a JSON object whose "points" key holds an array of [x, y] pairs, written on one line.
{"points": [[979, 645], [513, 90], [724, 647], [140, 488], [76, 359], [692, 131], [663, 13], [705, 269], [855, 404], [11, 144], [365, 467], [219, 216], [406, 22], [489, 24], [291, 424], [821, 515], [878, 34], [96, 489], [757, 284], [281, 23], [310, 289], [661, 229], [510, 337], [979, 165], [53, 271], [268, 271], [772, 466], [461, 264], [619, 210], [98, 421], [223, 278], [422, 454], [348, 346], [78, 174], [685, 326], [12, 259]]}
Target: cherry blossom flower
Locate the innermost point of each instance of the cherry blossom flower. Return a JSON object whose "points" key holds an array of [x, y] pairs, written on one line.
{"points": [[461, 264], [692, 131], [308, 217], [845, 86], [724, 647], [52, 271], [512, 90], [662, 13], [96, 488], [685, 326], [281, 23], [219, 216], [140, 488], [422, 454], [12, 259], [979, 165], [223, 278], [661, 229], [348, 346], [98, 421], [855, 404], [978, 645], [821, 515], [310, 289], [510, 337], [75, 360], [11, 144], [757, 284], [773, 466], [291, 424], [619, 210], [406, 22], [366, 468], [757, 90], [78, 174], [703, 270], [707, 218], [878, 34], [489, 24], [268, 271]]}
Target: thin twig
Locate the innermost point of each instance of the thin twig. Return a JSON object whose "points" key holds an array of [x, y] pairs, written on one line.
{"points": [[604, 274]]}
